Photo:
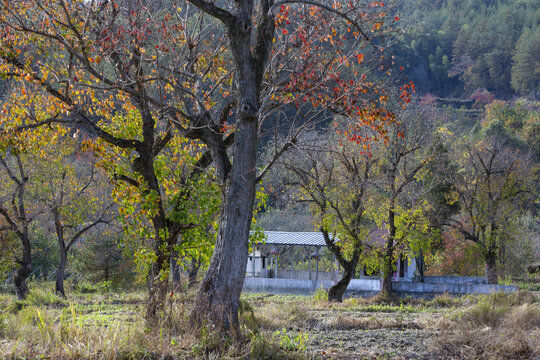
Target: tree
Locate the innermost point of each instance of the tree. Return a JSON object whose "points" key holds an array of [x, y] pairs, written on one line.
{"points": [[492, 183], [83, 68], [182, 72], [74, 194], [335, 179], [8, 243], [525, 73], [401, 162], [99, 257], [18, 213]]}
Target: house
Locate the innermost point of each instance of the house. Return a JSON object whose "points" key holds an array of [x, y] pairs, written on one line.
{"points": [[405, 269], [255, 265], [262, 261]]}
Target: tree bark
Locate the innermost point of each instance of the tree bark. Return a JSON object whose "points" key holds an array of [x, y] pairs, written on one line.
{"points": [[335, 293], [175, 269], [60, 272], [157, 291], [158, 280], [389, 256], [193, 271], [25, 265], [387, 283], [19, 225], [491, 268], [219, 294], [22, 273], [420, 264]]}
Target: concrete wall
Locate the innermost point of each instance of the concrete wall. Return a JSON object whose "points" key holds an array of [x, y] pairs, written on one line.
{"points": [[456, 289], [370, 287], [455, 280], [303, 275], [279, 286]]}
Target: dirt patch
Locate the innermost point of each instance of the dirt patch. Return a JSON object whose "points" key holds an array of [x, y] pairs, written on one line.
{"points": [[368, 335], [444, 328]]}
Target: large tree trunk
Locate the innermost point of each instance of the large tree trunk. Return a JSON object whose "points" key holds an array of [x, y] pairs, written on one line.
{"points": [[491, 268], [335, 293], [219, 295]]}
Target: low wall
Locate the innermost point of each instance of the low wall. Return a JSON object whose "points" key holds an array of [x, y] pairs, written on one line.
{"points": [[455, 280], [366, 287], [303, 275], [454, 289], [280, 286]]}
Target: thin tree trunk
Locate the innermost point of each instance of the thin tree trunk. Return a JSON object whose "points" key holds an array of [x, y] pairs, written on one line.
{"points": [[158, 287], [389, 256], [175, 269], [60, 273], [491, 268], [420, 263], [388, 268], [335, 293], [158, 280], [387, 284], [19, 280], [193, 271]]}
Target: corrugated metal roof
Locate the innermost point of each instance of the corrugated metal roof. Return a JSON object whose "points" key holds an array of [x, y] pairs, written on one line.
{"points": [[294, 238]]}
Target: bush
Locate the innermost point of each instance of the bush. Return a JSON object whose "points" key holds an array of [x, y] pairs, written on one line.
{"points": [[39, 296], [293, 341], [104, 286], [86, 287], [320, 294], [484, 313], [444, 301]]}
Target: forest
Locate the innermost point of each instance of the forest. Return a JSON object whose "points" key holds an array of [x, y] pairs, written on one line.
{"points": [[146, 147]]}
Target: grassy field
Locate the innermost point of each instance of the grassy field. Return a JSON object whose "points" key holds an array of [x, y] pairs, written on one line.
{"points": [[96, 323]]}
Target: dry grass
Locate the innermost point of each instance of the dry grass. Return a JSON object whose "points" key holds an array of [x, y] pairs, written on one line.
{"points": [[273, 316], [499, 326], [344, 322], [523, 317], [112, 327]]}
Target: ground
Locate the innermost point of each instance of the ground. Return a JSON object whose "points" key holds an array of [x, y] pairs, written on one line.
{"points": [[97, 323]]}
